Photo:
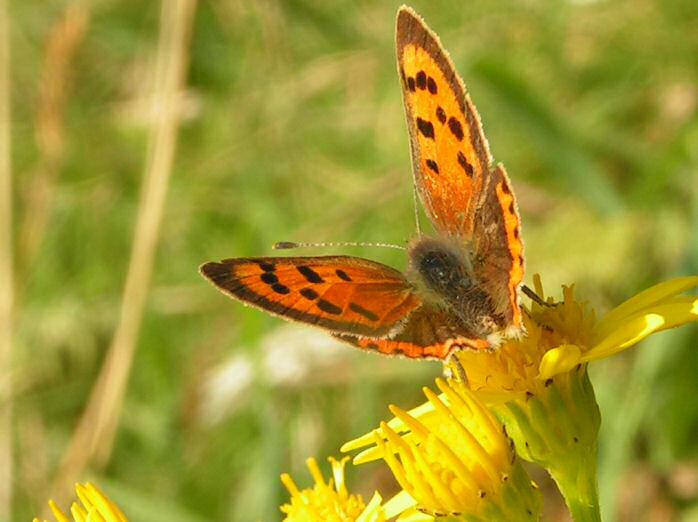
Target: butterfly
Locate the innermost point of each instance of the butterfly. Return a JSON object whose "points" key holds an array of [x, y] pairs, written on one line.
{"points": [[461, 288]]}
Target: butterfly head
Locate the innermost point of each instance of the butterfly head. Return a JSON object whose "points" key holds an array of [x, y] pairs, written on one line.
{"points": [[440, 267]]}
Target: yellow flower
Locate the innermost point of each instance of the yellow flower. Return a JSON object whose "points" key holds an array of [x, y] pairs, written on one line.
{"points": [[564, 335], [658, 308], [96, 507], [539, 388], [331, 501], [454, 458]]}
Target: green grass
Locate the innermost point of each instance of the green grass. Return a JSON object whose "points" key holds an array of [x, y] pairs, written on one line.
{"points": [[294, 129]]}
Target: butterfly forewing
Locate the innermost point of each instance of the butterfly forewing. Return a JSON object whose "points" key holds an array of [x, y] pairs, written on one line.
{"points": [[450, 155], [340, 293]]}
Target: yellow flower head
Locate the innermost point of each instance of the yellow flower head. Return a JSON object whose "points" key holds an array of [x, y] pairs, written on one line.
{"points": [[331, 501], [539, 388], [658, 308], [94, 506], [453, 458], [563, 335]]}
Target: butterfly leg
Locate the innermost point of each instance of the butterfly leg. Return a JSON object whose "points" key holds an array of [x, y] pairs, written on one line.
{"points": [[453, 369], [536, 298]]}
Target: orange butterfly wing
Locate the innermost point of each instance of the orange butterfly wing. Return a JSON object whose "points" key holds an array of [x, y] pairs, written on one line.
{"points": [[428, 333], [450, 155], [373, 306], [339, 293], [463, 194]]}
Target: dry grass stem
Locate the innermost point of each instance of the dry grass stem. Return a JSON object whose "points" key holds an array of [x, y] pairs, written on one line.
{"points": [[6, 276], [92, 439], [65, 38]]}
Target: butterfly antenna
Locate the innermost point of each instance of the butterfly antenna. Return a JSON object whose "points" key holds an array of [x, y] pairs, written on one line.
{"points": [[287, 245], [416, 209]]}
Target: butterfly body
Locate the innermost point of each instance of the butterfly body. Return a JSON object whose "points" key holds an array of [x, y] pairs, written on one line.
{"points": [[442, 271], [460, 290]]}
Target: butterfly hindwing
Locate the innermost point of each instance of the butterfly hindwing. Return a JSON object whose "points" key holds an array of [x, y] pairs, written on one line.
{"points": [[339, 293], [428, 333], [499, 261], [450, 154]]}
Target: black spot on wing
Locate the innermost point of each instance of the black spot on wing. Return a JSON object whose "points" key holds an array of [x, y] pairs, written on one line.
{"points": [[456, 128], [329, 308], [467, 167], [342, 275], [431, 85], [363, 312], [267, 267], [309, 294], [432, 165], [441, 115], [411, 84], [421, 80], [280, 289], [426, 128], [269, 278], [310, 275]]}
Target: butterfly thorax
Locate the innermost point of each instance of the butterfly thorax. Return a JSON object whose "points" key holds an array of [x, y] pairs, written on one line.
{"points": [[442, 270]]}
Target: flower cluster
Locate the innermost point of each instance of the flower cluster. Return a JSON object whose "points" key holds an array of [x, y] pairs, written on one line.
{"points": [[456, 454], [94, 506]]}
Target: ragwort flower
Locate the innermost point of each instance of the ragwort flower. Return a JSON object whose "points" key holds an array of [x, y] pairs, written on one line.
{"points": [[454, 458], [539, 388], [331, 501], [94, 506]]}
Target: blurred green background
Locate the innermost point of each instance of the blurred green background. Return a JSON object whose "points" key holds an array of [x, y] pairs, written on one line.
{"points": [[293, 129]]}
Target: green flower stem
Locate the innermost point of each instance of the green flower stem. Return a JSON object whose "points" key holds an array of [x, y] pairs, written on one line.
{"points": [[577, 483]]}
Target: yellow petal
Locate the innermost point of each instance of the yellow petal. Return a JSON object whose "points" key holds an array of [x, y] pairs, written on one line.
{"points": [[290, 485], [373, 511], [338, 472], [628, 334], [368, 455], [103, 504], [395, 424], [60, 516], [655, 319], [78, 512], [315, 472], [399, 504], [559, 360], [94, 516], [646, 298]]}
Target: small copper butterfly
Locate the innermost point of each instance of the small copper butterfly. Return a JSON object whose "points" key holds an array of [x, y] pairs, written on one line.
{"points": [[461, 289]]}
